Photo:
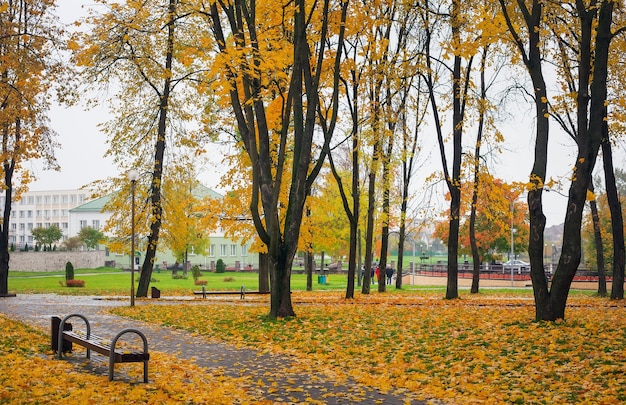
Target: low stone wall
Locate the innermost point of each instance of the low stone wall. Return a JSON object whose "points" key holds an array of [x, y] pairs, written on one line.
{"points": [[55, 261]]}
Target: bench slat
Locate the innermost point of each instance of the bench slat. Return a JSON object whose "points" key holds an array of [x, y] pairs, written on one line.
{"points": [[102, 346]]}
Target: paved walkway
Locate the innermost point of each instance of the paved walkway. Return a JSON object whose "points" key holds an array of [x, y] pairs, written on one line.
{"points": [[37, 310]]}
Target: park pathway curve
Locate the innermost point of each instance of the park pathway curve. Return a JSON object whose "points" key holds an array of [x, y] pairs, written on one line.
{"points": [[275, 371]]}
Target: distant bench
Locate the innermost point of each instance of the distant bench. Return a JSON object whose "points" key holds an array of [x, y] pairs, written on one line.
{"points": [[242, 292], [63, 336]]}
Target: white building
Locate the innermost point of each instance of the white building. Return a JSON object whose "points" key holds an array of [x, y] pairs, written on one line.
{"points": [[71, 211], [41, 209]]}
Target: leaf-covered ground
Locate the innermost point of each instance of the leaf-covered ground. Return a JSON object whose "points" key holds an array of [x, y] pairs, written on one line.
{"points": [[29, 374], [474, 350]]}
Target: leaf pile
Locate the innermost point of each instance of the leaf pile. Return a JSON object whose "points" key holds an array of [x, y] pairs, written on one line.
{"points": [[474, 350], [29, 376]]}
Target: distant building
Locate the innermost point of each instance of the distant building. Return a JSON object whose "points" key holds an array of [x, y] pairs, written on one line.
{"points": [[71, 211], [41, 209], [234, 254]]}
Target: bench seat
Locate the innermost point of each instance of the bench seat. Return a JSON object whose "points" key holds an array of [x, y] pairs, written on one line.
{"points": [[63, 336], [102, 346]]}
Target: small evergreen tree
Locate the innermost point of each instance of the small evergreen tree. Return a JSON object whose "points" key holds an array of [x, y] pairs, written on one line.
{"points": [[195, 272], [220, 267], [69, 271]]}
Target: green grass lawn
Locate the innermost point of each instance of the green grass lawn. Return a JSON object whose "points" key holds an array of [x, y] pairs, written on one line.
{"points": [[106, 281]]}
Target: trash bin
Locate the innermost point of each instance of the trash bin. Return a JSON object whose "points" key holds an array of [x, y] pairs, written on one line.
{"points": [[156, 293], [321, 279]]}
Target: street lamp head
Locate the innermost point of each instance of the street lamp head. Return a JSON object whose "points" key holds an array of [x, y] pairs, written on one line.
{"points": [[132, 175]]}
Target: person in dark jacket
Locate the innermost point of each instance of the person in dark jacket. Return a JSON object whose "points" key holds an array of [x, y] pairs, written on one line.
{"points": [[389, 273]]}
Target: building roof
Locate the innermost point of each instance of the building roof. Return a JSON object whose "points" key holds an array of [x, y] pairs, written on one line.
{"points": [[93, 206], [98, 204]]}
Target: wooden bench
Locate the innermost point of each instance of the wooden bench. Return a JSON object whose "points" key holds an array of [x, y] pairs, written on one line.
{"points": [[242, 292], [65, 336]]}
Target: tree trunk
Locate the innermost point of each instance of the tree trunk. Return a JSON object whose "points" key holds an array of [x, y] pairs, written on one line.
{"points": [[264, 272], [308, 265], [617, 221], [590, 135], [369, 232], [476, 259], [454, 182], [157, 174], [597, 237], [4, 232]]}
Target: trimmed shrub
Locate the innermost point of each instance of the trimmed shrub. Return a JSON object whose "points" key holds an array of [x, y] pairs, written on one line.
{"points": [[195, 272], [69, 271], [220, 267], [75, 283]]}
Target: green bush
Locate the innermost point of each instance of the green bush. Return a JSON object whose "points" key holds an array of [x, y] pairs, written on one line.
{"points": [[69, 271], [195, 272], [220, 267]]}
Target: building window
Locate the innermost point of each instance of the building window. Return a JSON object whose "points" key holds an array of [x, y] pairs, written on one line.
{"points": [[55, 213], [211, 250], [30, 226], [64, 199], [21, 214], [65, 225], [29, 213], [83, 224], [31, 200], [233, 250], [22, 226], [244, 250], [55, 199], [63, 213], [14, 227], [73, 198], [223, 250], [95, 224], [47, 199], [39, 199]]}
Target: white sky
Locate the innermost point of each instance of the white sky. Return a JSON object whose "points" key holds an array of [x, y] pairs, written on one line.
{"points": [[83, 146]]}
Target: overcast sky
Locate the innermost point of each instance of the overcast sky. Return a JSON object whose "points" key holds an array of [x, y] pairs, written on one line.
{"points": [[82, 161]]}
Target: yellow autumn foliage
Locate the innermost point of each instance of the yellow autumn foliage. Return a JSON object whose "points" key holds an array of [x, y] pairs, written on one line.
{"points": [[29, 373], [478, 349]]}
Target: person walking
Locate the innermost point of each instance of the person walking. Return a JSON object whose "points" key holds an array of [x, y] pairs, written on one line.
{"points": [[389, 273]]}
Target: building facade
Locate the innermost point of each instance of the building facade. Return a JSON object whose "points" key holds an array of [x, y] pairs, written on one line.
{"points": [[234, 254], [41, 209], [71, 211]]}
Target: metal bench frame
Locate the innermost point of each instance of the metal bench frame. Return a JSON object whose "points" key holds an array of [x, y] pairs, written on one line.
{"points": [[93, 342]]}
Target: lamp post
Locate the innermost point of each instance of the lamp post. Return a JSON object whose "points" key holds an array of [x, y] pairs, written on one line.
{"points": [[512, 254], [132, 175]]}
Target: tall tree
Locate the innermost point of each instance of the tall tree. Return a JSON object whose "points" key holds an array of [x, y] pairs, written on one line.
{"points": [[91, 237], [29, 37], [593, 23], [271, 77], [458, 91], [143, 48], [48, 236]]}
